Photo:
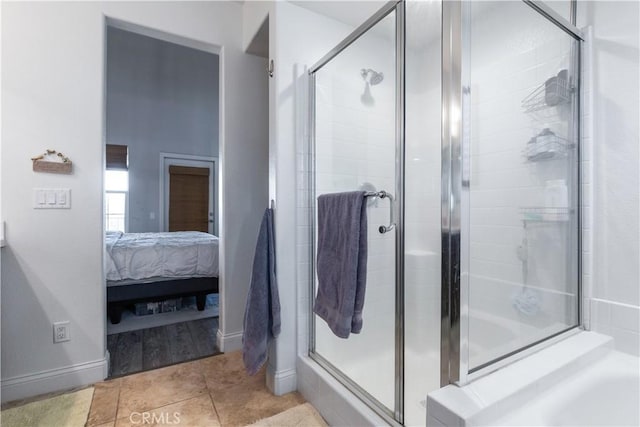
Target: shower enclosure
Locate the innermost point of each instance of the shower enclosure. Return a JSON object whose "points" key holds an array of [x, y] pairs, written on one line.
{"points": [[466, 116]]}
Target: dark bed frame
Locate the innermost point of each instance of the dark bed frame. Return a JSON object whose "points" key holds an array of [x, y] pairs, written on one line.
{"points": [[118, 297]]}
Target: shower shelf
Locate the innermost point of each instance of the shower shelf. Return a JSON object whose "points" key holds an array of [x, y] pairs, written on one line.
{"points": [[556, 147], [546, 214], [553, 92]]}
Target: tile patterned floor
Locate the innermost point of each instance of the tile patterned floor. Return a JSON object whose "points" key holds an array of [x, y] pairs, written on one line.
{"points": [[214, 391]]}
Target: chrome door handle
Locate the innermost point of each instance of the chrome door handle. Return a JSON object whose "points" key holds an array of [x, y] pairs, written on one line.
{"points": [[392, 224], [384, 195]]}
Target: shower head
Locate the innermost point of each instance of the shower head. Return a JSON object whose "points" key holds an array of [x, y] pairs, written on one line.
{"points": [[376, 77]]}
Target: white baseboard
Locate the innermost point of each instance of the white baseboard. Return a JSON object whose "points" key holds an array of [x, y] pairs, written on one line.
{"points": [[54, 380], [229, 342], [281, 382]]}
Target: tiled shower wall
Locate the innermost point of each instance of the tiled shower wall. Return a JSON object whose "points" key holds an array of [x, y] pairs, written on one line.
{"points": [[611, 179]]}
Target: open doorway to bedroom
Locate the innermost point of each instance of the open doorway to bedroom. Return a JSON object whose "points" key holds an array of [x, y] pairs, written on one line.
{"points": [[161, 199]]}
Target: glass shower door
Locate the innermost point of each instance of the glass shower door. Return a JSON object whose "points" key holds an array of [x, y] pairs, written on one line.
{"points": [[521, 232], [356, 148]]}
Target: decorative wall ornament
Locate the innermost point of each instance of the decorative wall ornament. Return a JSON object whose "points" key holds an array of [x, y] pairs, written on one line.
{"points": [[52, 162]]}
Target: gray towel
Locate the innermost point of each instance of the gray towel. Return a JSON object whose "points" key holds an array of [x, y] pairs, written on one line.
{"points": [[342, 261], [262, 312]]}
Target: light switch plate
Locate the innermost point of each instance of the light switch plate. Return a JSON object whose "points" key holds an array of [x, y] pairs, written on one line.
{"points": [[52, 198]]}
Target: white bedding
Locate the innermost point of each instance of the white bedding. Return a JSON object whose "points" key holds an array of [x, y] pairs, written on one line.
{"points": [[180, 254]]}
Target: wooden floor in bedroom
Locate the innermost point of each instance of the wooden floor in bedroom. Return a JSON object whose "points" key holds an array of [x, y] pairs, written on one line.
{"points": [[145, 349]]}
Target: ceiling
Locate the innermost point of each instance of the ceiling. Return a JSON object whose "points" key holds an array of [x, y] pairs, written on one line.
{"points": [[352, 13]]}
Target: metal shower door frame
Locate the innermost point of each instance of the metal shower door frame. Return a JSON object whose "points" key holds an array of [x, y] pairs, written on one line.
{"points": [[395, 417], [454, 364], [454, 359]]}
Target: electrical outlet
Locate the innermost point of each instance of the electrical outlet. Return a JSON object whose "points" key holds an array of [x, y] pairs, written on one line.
{"points": [[61, 332]]}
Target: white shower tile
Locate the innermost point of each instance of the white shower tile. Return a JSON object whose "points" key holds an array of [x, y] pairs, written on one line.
{"points": [[586, 240], [585, 170], [625, 317], [586, 261], [586, 217], [626, 341], [600, 312], [586, 195]]}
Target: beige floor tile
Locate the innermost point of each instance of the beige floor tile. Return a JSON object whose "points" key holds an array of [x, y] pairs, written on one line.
{"points": [[240, 407], [160, 387], [109, 424], [226, 370], [105, 403], [241, 399], [194, 412]]}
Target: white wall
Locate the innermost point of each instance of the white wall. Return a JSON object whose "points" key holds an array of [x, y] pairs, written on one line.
{"points": [[52, 97], [254, 14], [614, 137], [161, 97], [300, 38], [51, 269]]}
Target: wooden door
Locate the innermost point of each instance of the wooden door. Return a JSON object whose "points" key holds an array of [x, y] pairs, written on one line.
{"points": [[188, 198]]}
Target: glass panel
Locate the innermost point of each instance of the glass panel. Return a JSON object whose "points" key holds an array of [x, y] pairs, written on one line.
{"points": [[561, 7], [422, 258], [116, 207], [115, 180], [356, 149], [521, 252]]}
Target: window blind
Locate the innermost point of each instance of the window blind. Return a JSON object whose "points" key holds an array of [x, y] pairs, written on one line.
{"points": [[117, 157]]}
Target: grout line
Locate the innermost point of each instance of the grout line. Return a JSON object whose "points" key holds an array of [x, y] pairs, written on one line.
{"points": [[213, 403], [118, 401], [164, 406]]}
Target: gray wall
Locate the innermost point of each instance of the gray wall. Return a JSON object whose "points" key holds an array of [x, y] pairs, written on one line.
{"points": [[161, 97]]}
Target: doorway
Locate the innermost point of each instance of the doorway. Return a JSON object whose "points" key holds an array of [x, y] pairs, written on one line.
{"points": [[189, 193], [162, 98]]}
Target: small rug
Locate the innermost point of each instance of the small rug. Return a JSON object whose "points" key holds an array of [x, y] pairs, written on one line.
{"points": [[303, 415], [66, 410]]}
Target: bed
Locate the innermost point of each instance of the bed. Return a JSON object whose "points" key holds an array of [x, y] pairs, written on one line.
{"points": [[145, 267]]}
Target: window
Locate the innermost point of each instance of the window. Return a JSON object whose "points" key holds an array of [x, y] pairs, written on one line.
{"points": [[116, 198], [116, 185], [116, 204]]}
